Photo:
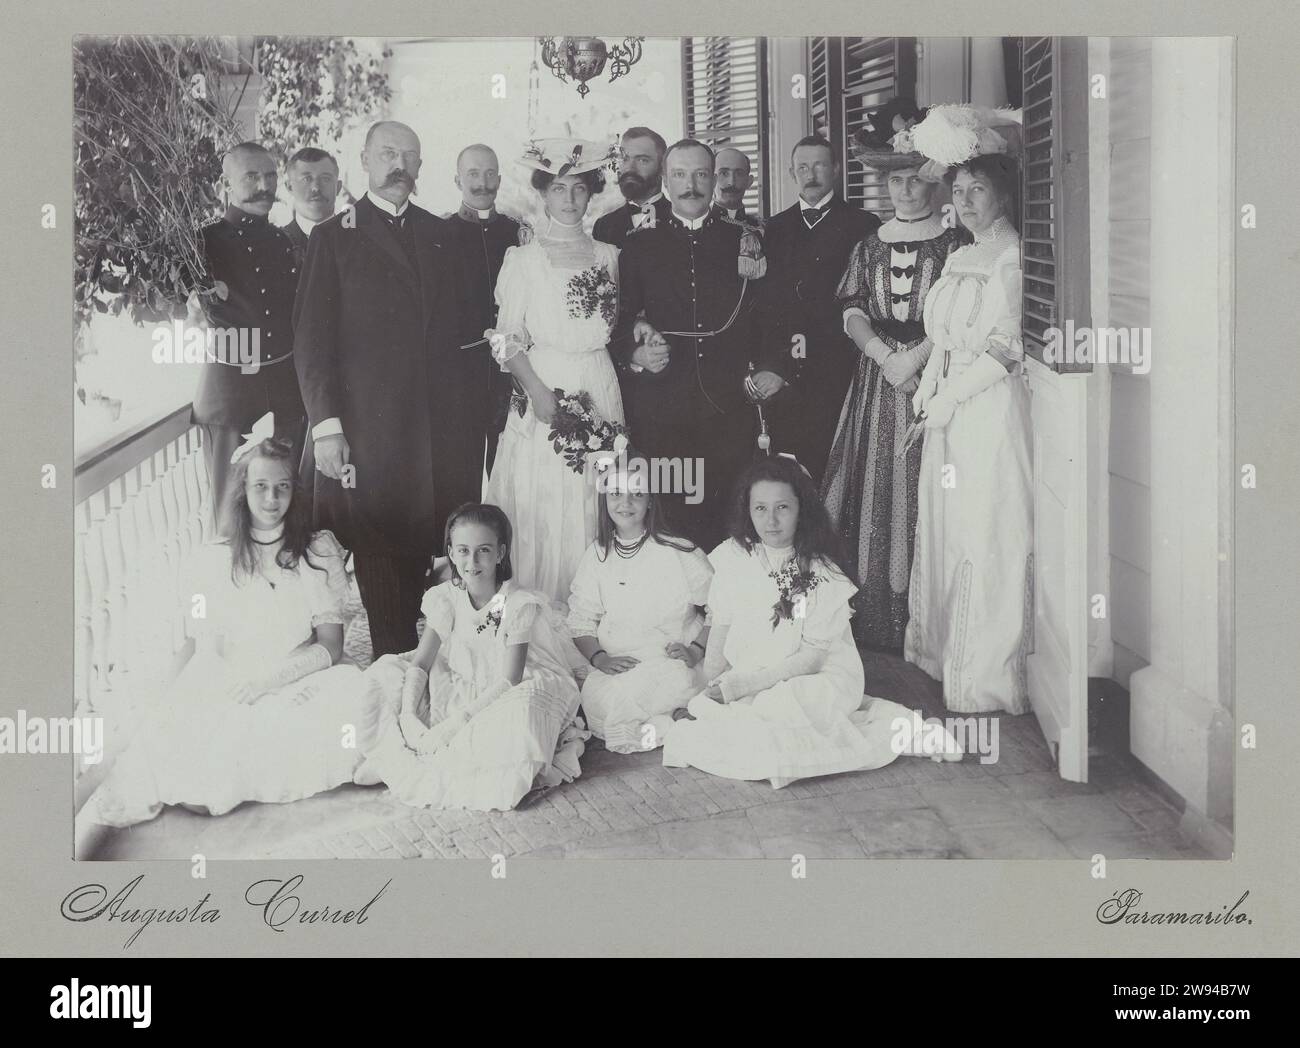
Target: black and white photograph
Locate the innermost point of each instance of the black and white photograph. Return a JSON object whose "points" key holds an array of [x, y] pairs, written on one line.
{"points": [[654, 447]]}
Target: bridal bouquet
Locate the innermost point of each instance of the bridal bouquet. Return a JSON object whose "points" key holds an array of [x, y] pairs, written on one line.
{"points": [[577, 431]]}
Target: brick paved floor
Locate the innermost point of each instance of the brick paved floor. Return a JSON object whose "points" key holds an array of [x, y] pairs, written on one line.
{"points": [[633, 807]]}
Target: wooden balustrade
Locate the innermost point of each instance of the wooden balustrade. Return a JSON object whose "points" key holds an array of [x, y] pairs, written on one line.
{"points": [[142, 508]]}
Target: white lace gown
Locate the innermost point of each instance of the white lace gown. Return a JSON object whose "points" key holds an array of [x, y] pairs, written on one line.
{"points": [[971, 592], [526, 733], [813, 724], [635, 607], [545, 301], [202, 749]]}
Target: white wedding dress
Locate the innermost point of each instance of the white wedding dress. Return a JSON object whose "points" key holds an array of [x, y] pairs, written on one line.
{"points": [[558, 302]]}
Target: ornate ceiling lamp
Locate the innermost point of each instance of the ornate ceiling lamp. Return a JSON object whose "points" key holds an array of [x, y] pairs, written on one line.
{"points": [[583, 58]]}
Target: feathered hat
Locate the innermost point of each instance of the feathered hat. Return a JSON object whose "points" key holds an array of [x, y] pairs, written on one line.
{"points": [[568, 156], [952, 134], [883, 144]]}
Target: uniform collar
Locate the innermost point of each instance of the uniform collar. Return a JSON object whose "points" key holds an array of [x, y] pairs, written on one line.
{"points": [[305, 224], [648, 202], [473, 214], [387, 206], [805, 206], [239, 217], [692, 223]]}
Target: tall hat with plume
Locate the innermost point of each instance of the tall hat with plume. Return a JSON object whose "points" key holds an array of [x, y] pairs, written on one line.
{"points": [[883, 143], [952, 134], [568, 156]]}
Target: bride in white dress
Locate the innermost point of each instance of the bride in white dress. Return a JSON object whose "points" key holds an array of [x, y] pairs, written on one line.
{"points": [[558, 299]]}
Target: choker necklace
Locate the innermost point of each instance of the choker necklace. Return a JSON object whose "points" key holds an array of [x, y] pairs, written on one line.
{"points": [[928, 214], [267, 536], [630, 549]]}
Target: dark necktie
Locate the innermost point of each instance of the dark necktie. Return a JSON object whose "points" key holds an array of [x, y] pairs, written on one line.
{"points": [[402, 231], [813, 215]]}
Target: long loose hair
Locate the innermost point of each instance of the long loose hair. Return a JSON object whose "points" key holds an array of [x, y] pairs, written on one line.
{"points": [[814, 535], [295, 547], [657, 525]]}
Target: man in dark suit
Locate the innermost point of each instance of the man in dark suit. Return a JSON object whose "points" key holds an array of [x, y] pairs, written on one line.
{"points": [[314, 184], [689, 405], [376, 327], [479, 237], [640, 180], [256, 264], [807, 360]]}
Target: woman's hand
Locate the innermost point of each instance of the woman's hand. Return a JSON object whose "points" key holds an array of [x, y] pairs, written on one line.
{"points": [[898, 368], [688, 653], [245, 692], [612, 664], [938, 411], [544, 404], [714, 691], [910, 386]]}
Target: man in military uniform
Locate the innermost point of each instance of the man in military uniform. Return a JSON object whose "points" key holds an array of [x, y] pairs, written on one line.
{"points": [[734, 180], [254, 265], [807, 360], [686, 324], [314, 184], [478, 237]]}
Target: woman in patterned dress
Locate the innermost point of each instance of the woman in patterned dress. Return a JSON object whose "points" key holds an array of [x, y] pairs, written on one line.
{"points": [[871, 493]]}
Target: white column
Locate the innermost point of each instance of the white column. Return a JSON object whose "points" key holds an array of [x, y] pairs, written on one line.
{"points": [[787, 116], [1180, 728]]}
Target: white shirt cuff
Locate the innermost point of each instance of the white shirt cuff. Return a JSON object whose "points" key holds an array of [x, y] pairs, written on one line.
{"points": [[854, 311], [330, 427]]}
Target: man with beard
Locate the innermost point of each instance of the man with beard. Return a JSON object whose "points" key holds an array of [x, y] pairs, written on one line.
{"points": [[376, 333], [314, 184], [255, 262], [807, 361], [734, 180], [691, 348], [640, 180], [478, 237]]}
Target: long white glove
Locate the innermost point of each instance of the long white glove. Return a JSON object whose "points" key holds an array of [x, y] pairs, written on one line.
{"points": [[736, 684], [445, 730], [983, 372], [311, 659]]}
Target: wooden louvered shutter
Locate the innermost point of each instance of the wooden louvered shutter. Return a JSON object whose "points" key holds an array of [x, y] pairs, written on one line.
{"points": [[1054, 192], [848, 76], [725, 99], [876, 69]]}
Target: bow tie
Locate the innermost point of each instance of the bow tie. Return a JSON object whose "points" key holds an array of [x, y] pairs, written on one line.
{"points": [[813, 215], [902, 271]]}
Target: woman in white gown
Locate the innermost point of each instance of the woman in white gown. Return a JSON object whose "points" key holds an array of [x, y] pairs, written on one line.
{"points": [[558, 298], [261, 711], [785, 699], [971, 595]]}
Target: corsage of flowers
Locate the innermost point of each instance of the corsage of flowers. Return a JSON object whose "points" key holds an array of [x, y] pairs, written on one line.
{"points": [[493, 619], [593, 291], [578, 432], [792, 584]]}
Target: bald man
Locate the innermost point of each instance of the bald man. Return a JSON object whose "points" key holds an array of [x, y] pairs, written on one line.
{"points": [[734, 180], [257, 264], [376, 343], [479, 237]]}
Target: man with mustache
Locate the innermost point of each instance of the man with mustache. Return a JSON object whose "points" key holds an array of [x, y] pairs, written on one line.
{"points": [[640, 180], [479, 236], [807, 361], [376, 335], [734, 180], [314, 184], [686, 325], [254, 265]]}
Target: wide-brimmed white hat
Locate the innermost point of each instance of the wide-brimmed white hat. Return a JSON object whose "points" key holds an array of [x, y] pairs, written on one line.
{"points": [[952, 134], [568, 156]]}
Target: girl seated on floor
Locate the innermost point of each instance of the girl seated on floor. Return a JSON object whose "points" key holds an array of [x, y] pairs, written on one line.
{"points": [[784, 699], [483, 711], [261, 710], [636, 612]]}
